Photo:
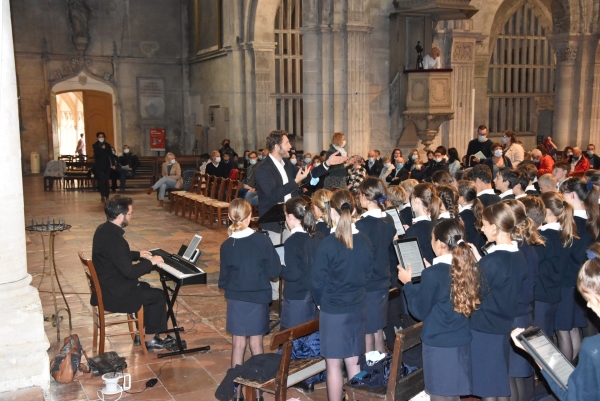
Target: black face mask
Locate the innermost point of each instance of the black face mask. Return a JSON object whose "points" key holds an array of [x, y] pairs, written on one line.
{"points": [[226, 146]]}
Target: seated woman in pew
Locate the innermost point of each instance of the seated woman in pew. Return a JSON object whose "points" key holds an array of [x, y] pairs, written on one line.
{"points": [[171, 178]]}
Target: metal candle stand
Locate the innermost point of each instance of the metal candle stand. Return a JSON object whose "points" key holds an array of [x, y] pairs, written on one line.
{"points": [[53, 228]]}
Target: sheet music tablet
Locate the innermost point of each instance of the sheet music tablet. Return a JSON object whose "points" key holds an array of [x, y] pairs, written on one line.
{"points": [[192, 247], [545, 353], [281, 253], [395, 213], [409, 253]]}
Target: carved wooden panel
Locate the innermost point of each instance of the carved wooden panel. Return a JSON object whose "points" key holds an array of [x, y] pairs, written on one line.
{"points": [[288, 65], [521, 68]]}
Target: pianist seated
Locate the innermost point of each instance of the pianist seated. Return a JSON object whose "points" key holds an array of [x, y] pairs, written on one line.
{"points": [[122, 292]]}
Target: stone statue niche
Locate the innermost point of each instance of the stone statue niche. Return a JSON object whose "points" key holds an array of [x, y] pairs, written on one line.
{"points": [[79, 14]]}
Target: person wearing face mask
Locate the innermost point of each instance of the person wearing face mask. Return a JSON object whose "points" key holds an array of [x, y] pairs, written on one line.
{"points": [[214, 166], [480, 144], [171, 178], [512, 148], [438, 163], [102, 162], [338, 175], [398, 174], [579, 163], [543, 161], [227, 165], [498, 160], [129, 159], [387, 168], [117, 172], [251, 195], [374, 166], [593, 157], [226, 148]]}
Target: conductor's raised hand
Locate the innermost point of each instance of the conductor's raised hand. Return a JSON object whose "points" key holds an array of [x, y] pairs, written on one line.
{"points": [[405, 275], [302, 174], [155, 260], [335, 158]]}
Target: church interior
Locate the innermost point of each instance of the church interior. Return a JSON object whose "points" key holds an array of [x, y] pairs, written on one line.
{"points": [[200, 71]]}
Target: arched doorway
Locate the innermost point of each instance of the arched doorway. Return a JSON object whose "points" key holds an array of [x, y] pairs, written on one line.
{"points": [[98, 113]]}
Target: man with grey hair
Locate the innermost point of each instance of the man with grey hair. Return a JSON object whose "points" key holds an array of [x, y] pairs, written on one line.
{"points": [[214, 166]]}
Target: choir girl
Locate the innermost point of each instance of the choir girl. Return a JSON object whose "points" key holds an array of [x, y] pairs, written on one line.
{"points": [[471, 209], [570, 313], [299, 250], [449, 205], [583, 382], [504, 269], [426, 206], [318, 208], [248, 261], [558, 232], [407, 213], [380, 229], [444, 300], [527, 237], [340, 275]]}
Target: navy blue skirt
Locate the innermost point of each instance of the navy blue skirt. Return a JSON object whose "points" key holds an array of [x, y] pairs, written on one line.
{"points": [[570, 312], [489, 367], [377, 305], [519, 362], [247, 318], [447, 370], [544, 314], [342, 335], [297, 311]]}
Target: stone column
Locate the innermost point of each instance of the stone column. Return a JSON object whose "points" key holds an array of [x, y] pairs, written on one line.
{"points": [[311, 78], [258, 96], [565, 100], [595, 104], [23, 353]]}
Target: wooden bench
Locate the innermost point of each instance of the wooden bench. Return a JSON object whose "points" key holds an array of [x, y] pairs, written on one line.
{"points": [[291, 371], [398, 388]]}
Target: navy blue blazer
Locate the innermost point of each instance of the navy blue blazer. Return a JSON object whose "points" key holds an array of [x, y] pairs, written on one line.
{"points": [[270, 188]]}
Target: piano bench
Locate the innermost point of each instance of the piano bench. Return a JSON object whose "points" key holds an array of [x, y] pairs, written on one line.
{"points": [[291, 371]]}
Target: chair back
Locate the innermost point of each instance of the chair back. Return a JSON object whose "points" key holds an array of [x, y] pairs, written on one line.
{"points": [[223, 189], [195, 183], [216, 183], [93, 282], [232, 190]]}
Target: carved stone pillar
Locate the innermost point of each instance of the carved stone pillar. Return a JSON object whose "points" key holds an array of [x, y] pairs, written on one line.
{"points": [[311, 78], [595, 104], [459, 54], [23, 353], [260, 76]]}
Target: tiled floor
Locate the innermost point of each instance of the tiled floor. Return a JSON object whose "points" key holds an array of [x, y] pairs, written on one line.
{"points": [[200, 309]]}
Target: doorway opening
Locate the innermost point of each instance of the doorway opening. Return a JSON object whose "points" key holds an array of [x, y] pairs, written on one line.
{"points": [[70, 122]]}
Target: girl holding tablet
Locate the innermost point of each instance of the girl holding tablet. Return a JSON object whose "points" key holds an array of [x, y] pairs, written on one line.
{"points": [[444, 300], [426, 208]]}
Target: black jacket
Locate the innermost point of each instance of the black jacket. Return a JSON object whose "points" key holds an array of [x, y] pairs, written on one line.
{"points": [[476, 146], [395, 177], [270, 188], [130, 160], [102, 156], [594, 161], [376, 169], [118, 276], [217, 171]]}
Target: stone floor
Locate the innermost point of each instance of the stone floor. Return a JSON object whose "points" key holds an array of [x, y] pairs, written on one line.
{"points": [[200, 309]]}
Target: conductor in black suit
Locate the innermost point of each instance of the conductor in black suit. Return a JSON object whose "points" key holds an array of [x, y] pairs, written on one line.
{"points": [[277, 179], [122, 292]]}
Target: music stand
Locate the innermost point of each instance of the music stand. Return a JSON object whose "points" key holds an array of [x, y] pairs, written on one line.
{"points": [[275, 214]]}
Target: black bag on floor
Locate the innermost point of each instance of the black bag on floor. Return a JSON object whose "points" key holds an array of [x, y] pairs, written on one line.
{"points": [[106, 363]]}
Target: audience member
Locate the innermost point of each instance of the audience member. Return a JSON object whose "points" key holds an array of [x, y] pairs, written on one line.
{"points": [[215, 167], [398, 174], [397, 153], [413, 159], [480, 144], [512, 148], [226, 148], [453, 162], [543, 161], [80, 149], [438, 163], [129, 161], [387, 168], [356, 173], [251, 195], [171, 178], [593, 157], [550, 147], [373, 165], [102, 162], [227, 165], [204, 158], [498, 160], [117, 172], [547, 183]]}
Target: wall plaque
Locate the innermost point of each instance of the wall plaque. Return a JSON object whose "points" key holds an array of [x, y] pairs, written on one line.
{"points": [[151, 98]]}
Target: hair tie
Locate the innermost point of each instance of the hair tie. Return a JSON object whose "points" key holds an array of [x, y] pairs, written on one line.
{"points": [[589, 185], [564, 203], [346, 206], [590, 254], [382, 199], [460, 241]]}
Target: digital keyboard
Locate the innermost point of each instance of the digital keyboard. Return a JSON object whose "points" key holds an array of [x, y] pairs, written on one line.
{"points": [[179, 269]]}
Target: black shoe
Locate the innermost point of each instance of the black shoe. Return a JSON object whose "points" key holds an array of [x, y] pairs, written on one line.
{"points": [[172, 343], [158, 343], [305, 387]]}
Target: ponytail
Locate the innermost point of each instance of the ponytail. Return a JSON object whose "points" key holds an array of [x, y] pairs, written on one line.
{"points": [[525, 229], [449, 197], [563, 211], [587, 193], [426, 193], [374, 190], [300, 209], [464, 270], [343, 203], [467, 190], [238, 211], [477, 209], [318, 200]]}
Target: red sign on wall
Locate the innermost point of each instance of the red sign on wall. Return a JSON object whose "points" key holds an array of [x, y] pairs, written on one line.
{"points": [[157, 139]]}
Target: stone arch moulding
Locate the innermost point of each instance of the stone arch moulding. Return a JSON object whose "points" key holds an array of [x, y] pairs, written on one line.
{"points": [[260, 20], [84, 81]]}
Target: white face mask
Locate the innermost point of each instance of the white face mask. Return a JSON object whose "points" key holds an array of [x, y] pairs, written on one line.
{"points": [[569, 154], [217, 160], [252, 161], [100, 140], [437, 159], [497, 153], [316, 164], [293, 161], [125, 151], [387, 165], [482, 138], [172, 161], [343, 144], [590, 153], [415, 157], [371, 160]]}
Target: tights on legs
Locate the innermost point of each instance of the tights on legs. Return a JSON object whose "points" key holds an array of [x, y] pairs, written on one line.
{"points": [[495, 399], [238, 348], [375, 341], [569, 342], [521, 388], [335, 379]]}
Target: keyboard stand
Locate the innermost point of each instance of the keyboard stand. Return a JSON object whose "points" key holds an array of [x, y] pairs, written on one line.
{"points": [[171, 314]]}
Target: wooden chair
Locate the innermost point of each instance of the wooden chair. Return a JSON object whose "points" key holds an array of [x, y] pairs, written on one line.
{"points": [[291, 371], [209, 204], [398, 388], [192, 202], [218, 211], [200, 206], [179, 196], [100, 314]]}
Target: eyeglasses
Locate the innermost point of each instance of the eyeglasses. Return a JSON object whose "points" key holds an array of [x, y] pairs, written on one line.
{"points": [[129, 214]]}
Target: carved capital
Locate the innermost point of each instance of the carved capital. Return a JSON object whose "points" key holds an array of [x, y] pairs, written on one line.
{"points": [[262, 61], [566, 54], [463, 51]]}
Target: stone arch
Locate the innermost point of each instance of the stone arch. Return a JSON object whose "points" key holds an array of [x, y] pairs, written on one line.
{"points": [[260, 20]]}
